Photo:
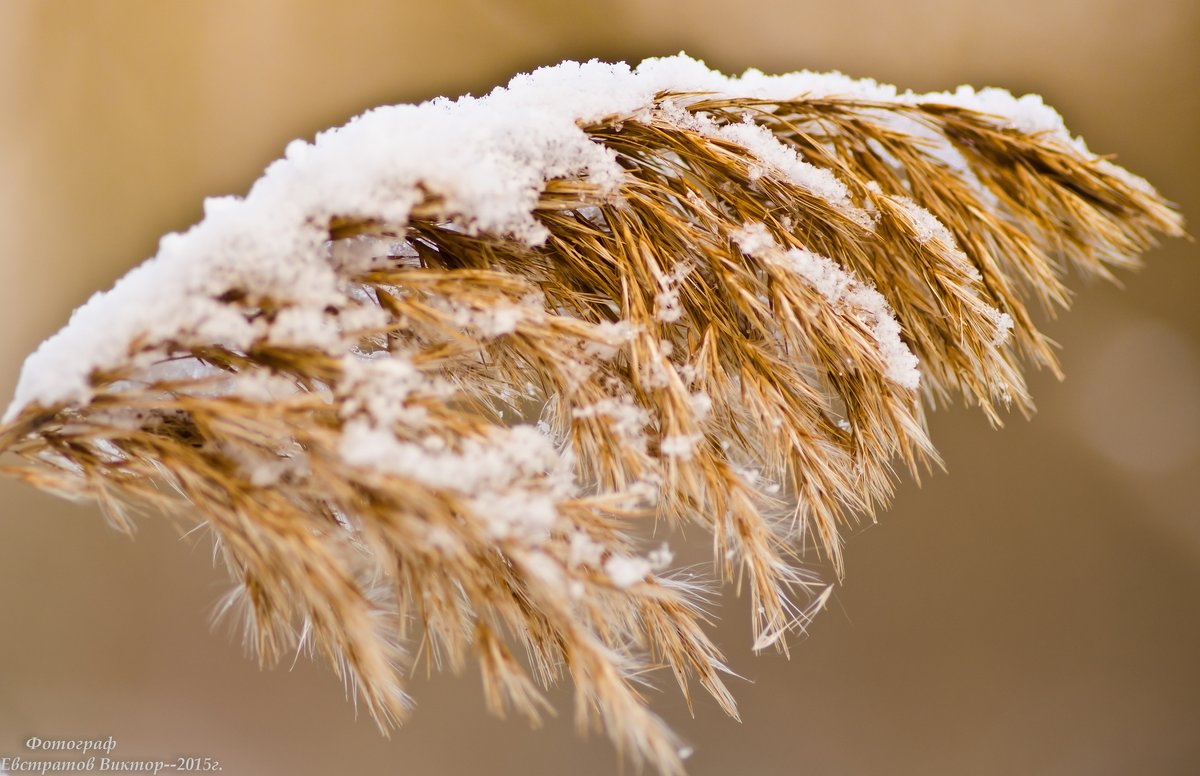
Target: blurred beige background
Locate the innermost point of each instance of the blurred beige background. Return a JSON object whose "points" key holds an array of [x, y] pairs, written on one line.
{"points": [[1036, 610]]}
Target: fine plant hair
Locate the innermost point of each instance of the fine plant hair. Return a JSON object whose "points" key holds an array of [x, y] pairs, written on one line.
{"points": [[426, 406]]}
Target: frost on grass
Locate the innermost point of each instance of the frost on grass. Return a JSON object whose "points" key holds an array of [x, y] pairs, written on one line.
{"points": [[443, 366]]}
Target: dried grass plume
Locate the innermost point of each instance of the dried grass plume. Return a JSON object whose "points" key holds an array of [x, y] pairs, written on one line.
{"points": [[430, 380]]}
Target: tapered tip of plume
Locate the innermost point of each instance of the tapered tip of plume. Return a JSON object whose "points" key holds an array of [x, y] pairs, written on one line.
{"points": [[432, 379]]}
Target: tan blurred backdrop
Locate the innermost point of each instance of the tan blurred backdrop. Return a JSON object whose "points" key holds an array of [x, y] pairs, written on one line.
{"points": [[1035, 610]]}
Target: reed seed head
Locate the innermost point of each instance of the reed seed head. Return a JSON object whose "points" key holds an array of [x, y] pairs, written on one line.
{"points": [[428, 383]]}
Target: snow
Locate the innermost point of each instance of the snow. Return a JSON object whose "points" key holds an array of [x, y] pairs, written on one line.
{"points": [[682, 446], [667, 307], [625, 570], [701, 404], [844, 290], [609, 337], [513, 479], [1004, 326], [927, 228], [661, 558], [783, 160], [625, 418], [487, 158], [380, 388], [755, 240]]}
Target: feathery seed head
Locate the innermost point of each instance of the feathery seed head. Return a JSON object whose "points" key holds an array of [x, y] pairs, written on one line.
{"points": [[438, 366]]}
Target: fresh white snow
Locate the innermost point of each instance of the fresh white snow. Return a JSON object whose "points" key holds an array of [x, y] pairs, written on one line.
{"points": [[844, 290], [487, 158]]}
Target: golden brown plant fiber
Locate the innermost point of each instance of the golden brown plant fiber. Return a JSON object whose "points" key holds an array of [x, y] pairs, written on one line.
{"points": [[469, 466]]}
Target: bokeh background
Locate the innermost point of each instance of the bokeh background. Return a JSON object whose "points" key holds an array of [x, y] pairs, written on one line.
{"points": [[1035, 610]]}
